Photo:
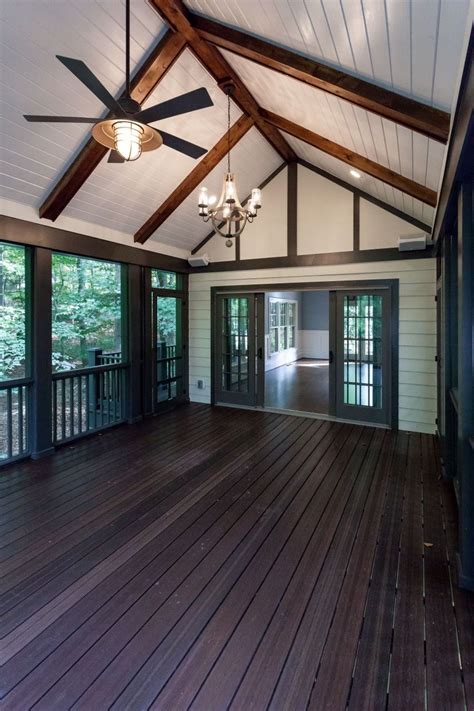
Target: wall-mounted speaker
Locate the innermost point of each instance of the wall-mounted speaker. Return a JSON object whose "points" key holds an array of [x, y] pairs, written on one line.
{"points": [[201, 261], [407, 243]]}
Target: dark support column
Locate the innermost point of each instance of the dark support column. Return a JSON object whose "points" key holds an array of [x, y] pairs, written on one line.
{"points": [[147, 370], [185, 334], [134, 342], [41, 390], [466, 383], [292, 224], [356, 234]]}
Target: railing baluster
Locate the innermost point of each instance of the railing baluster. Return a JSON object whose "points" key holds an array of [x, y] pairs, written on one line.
{"points": [[101, 398], [9, 424], [63, 409], [20, 420], [88, 402], [109, 397], [71, 406], [79, 405], [55, 410], [26, 421]]}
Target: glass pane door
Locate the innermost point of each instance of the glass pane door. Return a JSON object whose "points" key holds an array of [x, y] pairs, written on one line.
{"points": [[235, 368], [363, 356], [167, 348]]}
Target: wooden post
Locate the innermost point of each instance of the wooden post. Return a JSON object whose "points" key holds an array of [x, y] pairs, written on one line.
{"points": [[41, 367], [132, 348], [465, 443]]}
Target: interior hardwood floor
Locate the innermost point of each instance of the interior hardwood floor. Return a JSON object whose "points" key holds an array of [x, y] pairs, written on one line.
{"points": [[213, 558], [302, 386]]}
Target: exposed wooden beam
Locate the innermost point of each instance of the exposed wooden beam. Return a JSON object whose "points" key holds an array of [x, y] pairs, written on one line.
{"points": [[415, 115], [193, 180], [177, 16], [143, 83], [410, 187]]}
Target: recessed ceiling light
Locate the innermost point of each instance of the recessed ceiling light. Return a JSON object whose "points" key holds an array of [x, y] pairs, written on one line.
{"points": [[355, 174]]}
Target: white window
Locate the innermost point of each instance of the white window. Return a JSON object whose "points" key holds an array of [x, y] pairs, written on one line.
{"points": [[282, 325]]}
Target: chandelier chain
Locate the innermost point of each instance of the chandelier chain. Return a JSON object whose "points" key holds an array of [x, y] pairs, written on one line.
{"points": [[228, 133]]}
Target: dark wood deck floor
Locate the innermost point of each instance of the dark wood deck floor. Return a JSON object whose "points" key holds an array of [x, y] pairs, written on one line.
{"points": [[218, 558]]}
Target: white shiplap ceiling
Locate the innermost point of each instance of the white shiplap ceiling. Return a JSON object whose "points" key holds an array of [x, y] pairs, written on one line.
{"points": [[411, 46]]}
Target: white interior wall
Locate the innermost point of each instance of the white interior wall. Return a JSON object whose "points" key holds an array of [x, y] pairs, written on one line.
{"points": [[325, 215], [381, 229], [417, 280]]}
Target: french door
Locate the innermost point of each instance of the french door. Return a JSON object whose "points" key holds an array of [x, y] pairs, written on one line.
{"points": [[361, 356], [238, 363], [167, 349]]}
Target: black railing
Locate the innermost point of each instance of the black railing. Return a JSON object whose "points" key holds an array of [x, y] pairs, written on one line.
{"points": [[87, 400], [108, 358], [14, 408]]}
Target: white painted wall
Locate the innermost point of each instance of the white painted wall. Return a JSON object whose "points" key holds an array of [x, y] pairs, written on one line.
{"points": [[381, 229], [314, 344], [325, 214], [266, 236], [417, 278]]}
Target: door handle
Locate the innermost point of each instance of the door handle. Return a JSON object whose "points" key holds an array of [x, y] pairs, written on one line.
{"points": [[331, 356], [260, 353]]}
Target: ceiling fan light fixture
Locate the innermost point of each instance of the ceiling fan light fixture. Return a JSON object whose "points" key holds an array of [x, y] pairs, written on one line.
{"points": [[128, 136]]}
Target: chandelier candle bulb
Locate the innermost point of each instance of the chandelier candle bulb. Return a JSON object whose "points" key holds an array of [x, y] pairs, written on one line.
{"points": [[203, 202], [256, 198]]}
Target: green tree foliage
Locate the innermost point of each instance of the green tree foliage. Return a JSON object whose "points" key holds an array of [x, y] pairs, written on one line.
{"points": [[12, 312], [86, 309]]}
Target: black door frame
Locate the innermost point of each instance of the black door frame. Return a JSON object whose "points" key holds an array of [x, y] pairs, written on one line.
{"points": [[255, 349], [360, 285], [357, 413]]}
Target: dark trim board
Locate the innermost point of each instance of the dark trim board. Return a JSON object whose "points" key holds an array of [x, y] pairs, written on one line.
{"points": [[33, 234], [310, 260], [356, 213], [292, 210]]}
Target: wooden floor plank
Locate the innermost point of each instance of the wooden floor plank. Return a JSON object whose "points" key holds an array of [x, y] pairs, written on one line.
{"points": [[445, 689], [274, 615], [407, 669], [371, 673], [141, 588], [333, 677], [214, 558], [307, 506]]}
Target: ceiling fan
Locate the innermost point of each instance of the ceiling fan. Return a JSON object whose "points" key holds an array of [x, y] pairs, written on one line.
{"points": [[126, 130]]}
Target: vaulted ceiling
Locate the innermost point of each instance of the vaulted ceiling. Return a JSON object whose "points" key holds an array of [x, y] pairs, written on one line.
{"points": [[368, 84]]}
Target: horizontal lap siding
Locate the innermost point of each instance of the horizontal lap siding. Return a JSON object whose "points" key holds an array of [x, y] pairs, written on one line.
{"points": [[417, 278]]}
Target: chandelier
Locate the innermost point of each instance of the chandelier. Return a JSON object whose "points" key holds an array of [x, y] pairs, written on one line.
{"points": [[228, 217]]}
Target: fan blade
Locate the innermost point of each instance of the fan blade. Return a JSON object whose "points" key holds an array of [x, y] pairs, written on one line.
{"points": [[191, 101], [115, 157], [179, 144], [59, 119], [84, 74]]}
